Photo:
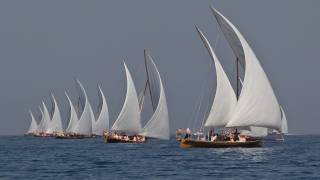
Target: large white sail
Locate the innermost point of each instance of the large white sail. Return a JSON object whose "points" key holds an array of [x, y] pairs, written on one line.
{"points": [[46, 126], [102, 122], [158, 125], [73, 117], [84, 125], [257, 104], [129, 119], [56, 123], [284, 126], [33, 125], [225, 99]]}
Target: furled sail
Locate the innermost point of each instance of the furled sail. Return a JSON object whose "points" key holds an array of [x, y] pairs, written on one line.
{"points": [[73, 117], [84, 125], [284, 126], [129, 119], [158, 125], [102, 122], [56, 124], [33, 125], [257, 104], [225, 99]]}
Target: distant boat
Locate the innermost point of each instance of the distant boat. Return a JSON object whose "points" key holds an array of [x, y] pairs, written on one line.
{"points": [[158, 125], [33, 125], [81, 117], [284, 125], [55, 125], [101, 122], [44, 127], [84, 125], [128, 120], [254, 110], [279, 135], [73, 117], [128, 123]]}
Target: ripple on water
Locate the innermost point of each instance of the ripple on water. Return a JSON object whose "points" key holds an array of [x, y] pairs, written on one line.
{"points": [[48, 158]]}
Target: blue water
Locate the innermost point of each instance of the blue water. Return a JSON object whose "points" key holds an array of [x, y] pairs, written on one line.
{"points": [[46, 158]]}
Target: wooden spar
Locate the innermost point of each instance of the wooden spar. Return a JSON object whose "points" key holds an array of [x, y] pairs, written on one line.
{"points": [[145, 63], [143, 95], [237, 89]]}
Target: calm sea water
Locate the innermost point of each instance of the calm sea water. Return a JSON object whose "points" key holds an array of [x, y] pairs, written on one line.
{"points": [[46, 158]]}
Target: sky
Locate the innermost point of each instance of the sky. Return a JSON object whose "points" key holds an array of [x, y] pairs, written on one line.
{"points": [[45, 45]]}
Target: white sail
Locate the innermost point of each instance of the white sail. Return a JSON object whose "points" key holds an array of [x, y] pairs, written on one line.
{"points": [[225, 99], [33, 125], [257, 104], [129, 118], [41, 123], [84, 125], [46, 126], [158, 125], [284, 126], [73, 117], [56, 123], [102, 122], [93, 121]]}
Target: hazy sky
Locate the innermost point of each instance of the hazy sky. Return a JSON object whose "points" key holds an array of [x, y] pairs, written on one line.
{"points": [[44, 45]]}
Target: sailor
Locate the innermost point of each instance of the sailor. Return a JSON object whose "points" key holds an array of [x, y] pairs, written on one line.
{"points": [[242, 138], [211, 133], [178, 133], [236, 135], [188, 133], [143, 138], [213, 138]]}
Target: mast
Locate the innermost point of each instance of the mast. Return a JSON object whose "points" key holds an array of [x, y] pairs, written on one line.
{"points": [[143, 94], [237, 76], [145, 64]]}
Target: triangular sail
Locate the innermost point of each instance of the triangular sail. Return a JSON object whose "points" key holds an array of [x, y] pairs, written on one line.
{"points": [[225, 99], [129, 119], [92, 117], [46, 126], [102, 122], [84, 125], [284, 126], [56, 123], [33, 125], [41, 123], [257, 104], [158, 125], [73, 117]]}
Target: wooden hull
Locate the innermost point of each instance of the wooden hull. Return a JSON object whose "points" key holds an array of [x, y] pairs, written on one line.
{"points": [[189, 143], [123, 141], [113, 140]]}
